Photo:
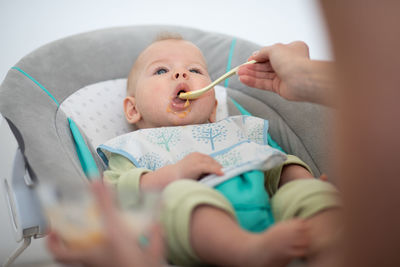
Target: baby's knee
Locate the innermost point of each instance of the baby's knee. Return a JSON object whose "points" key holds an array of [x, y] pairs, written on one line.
{"points": [[304, 198], [180, 200]]}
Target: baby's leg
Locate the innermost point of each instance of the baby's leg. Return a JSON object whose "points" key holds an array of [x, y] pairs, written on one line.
{"points": [[217, 239], [200, 227], [318, 203]]}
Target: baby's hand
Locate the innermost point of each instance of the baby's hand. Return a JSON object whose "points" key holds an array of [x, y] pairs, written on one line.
{"points": [[196, 165]]}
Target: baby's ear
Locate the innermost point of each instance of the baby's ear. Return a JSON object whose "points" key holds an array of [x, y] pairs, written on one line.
{"points": [[132, 115], [213, 116]]}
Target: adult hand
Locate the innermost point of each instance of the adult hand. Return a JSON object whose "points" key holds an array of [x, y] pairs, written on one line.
{"points": [[119, 247], [277, 69]]}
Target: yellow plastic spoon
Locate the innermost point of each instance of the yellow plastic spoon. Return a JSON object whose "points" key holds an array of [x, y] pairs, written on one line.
{"points": [[198, 93]]}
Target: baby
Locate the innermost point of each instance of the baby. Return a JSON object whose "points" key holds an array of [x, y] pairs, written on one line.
{"points": [[205, 224]]}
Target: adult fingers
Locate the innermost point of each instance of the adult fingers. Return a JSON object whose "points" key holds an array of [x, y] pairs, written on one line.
{"points": [[60, 252], [264, 84], [104, 199], [156, 249], [263, 67], [261, 55], [257, 74], [109, 212]]}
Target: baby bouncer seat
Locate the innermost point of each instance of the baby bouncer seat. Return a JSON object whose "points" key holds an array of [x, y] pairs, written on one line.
{"points": [[51, 100]]}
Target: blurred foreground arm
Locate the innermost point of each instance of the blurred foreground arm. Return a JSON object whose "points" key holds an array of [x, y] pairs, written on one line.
{"points": [[366, 40], [119, 248]]}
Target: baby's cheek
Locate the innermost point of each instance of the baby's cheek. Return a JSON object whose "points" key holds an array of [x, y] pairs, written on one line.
{"points": [[153, 95], [209, 98], [158, 89], [157, 101], [210, 94]]}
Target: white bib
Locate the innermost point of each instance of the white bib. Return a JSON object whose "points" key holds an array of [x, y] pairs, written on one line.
{"points": [[238, 143]]}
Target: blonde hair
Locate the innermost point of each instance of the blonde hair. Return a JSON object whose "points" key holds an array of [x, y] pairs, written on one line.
{"points": [[165, 35], [161, 36]]}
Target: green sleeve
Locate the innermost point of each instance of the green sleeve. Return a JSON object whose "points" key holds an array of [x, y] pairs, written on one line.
{"points": [[273, 176], [123, 176], [304, 198]]}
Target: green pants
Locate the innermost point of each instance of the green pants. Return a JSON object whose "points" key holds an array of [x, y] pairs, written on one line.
{"points": [[301, 198]]}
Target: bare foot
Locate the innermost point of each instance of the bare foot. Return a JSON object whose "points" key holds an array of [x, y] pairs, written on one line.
{"points": [[324, 177], [278, 245]]}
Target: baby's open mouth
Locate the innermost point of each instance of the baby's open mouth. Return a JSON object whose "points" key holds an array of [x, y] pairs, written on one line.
{"points": [[177, 103], [181, 91]]}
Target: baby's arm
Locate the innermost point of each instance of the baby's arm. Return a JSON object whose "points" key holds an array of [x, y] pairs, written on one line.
{"points": [[193, 166], [292, 172]]}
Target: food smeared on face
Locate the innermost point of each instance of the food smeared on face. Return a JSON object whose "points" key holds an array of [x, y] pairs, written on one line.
{"points": [[180, 114], [178, 106], [187, 103]]}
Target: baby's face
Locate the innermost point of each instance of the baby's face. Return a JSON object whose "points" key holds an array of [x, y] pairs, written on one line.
{"points": [[165, 69]]}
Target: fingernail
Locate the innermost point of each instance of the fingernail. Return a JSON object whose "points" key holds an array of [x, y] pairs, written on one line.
{"points": [[255, 53]]}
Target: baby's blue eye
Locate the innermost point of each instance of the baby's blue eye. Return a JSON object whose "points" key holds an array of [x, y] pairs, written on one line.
{"points": [[161, 71], [195, 71]]}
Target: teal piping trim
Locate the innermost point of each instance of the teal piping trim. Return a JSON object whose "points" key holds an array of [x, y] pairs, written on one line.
{"points": [[38, 84], [242, 110], [270, 141], [228, 66], [85, 157]]}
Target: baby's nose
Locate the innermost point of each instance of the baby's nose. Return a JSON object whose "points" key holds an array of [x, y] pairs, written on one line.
{"points": [[180, 75]]}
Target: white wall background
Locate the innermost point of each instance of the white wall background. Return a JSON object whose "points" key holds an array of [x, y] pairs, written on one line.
{"points": [[26, 25]]}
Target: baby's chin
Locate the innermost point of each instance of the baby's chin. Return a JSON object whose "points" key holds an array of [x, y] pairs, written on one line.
{"points": [[187, 120]]}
